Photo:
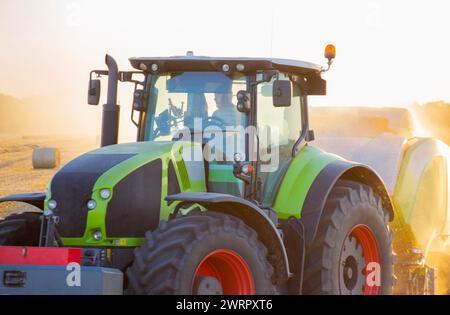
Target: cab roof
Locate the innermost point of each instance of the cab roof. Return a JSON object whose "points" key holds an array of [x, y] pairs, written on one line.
{"points": [[203, 63]]}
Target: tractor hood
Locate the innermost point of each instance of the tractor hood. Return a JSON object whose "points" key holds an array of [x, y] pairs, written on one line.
{"points": [[131, 179]]}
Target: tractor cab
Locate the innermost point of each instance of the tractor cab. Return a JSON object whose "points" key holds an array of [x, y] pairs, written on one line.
{"points": [[249, 114]]}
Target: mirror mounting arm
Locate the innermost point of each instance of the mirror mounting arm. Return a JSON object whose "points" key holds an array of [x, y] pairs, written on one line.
{"points": [[306, 134], [99, 73], [267, 76], [127, 76]]}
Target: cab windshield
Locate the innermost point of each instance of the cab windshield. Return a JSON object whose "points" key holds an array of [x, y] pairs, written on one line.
{"points": [[193, 101]]}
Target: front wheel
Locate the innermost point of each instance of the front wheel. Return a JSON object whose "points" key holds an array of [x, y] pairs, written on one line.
{"points": [[352, 252], [201, 253], [20, 229]]}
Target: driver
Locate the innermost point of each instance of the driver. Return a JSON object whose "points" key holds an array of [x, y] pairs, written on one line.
{"points": [[226, 110]]}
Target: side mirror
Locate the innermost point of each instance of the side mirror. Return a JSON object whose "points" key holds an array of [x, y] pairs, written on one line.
{"points": [[282, 93], [243, 101], [139, 101], [94, 92]]}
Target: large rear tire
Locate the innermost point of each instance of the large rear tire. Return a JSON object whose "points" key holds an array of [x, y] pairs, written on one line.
{"points": [[352, 252], [201, 253], [20, 229]]}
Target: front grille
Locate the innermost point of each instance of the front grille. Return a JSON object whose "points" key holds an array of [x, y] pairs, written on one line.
{"points": [[72, 187], [136, 202]]}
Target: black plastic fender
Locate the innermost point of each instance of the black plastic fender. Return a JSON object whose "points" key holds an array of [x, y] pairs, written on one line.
{"points": [[323, 184], [294, 241], [36, 199], [253, 216]]}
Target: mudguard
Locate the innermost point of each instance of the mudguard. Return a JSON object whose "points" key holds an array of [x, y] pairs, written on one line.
{"points": [[308, 181], [36, 199], [323, 184], [252, 215]]}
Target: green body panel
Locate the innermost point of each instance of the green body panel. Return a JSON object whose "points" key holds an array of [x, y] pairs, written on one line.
{"points": [[222, 180], [421, 192], [299, 177], [145, 152], [222, 173]]}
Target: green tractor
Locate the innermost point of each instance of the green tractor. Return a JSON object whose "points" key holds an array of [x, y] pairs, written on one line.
{"points": [[221, 193]]}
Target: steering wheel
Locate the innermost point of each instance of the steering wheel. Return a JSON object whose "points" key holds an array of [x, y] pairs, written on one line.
{"points": [[209, 121]]}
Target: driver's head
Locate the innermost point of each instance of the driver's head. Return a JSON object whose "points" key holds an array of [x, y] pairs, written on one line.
{"points": [[223, 99]]}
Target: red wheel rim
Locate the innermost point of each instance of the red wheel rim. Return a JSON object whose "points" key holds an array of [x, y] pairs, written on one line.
{"points": [[229, 269], [366, 238]]}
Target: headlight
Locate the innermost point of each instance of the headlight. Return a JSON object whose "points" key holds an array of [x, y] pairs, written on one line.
{"points": [[91, 204], [97, 235], [237, 157], [240, 67], [105, 193], [52, 204]]}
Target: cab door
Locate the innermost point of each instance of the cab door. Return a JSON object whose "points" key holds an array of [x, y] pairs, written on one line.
{"points": [[278, 129]]}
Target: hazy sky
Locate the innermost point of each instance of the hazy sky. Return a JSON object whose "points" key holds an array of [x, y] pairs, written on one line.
{"points": [[388, 52]]}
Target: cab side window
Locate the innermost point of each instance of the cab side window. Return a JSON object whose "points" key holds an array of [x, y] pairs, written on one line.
{"points": [[278, 130]]}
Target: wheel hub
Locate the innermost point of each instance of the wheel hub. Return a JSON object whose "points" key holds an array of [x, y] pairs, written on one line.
{"points": [[223, 271], [359, 249], [352, 267], [208, 286], [349, 272]]}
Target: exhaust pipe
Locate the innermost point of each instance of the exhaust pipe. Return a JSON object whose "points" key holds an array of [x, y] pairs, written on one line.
{"points": [[110, 120]]}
